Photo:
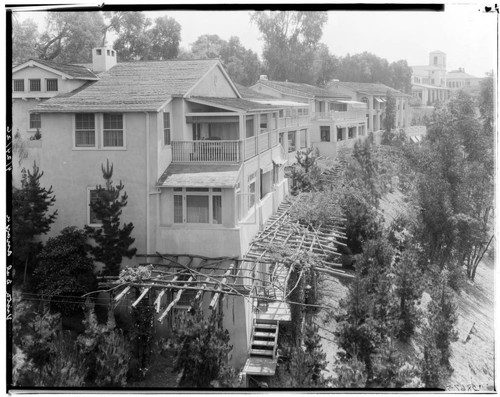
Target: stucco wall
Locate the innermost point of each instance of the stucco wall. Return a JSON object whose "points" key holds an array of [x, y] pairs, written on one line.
{"points": [[214, 84], [237, 316], [72, 172], [21, 117]]}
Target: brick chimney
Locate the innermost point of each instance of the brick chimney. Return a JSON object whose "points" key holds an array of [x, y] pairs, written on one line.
{"points": [[103, 59]]}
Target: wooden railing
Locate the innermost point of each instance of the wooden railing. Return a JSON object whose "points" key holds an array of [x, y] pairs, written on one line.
{"points": [[206, 151], [223, 151], [294, 121], [338, 115]]}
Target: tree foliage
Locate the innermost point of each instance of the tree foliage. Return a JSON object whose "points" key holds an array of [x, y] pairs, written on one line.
{"points": [[290, 41], [65, 270], [30, 217], [390, 116], [306, 173], [25, 37], [369, 68], [203, 348], [68, 37], [112, 241]]}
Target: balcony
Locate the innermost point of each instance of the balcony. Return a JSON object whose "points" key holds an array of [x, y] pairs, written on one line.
{"points": [[339, 115], [228, 152]]}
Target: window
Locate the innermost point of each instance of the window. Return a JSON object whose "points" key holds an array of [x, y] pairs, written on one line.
{"points": [[339, 134], [166, 128], [84, 130], [251, 189], [351, 132], [99, 52], [291, 141], [112, 130], [35, 121], [35, 85], [92, 197], [198, 205], [51, 84], [281, 114], [108, 52], [18, 85], [435, 60], [325, 133]]}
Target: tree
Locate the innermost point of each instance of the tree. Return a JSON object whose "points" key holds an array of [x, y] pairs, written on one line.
{"points": [[390, 117], [165, 38], [30, 218], [43, 356], [105, 351], [400, 76], [324, 65], [306, 173], [202, 352], [24, 39], [112, 242], [65, 272], [290, 41], [70, 36], [242, 65], [141, 39]]}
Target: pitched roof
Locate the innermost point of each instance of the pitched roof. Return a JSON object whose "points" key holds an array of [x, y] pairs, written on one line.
{"points": [[248, 93], [134, 86], [235, 103], [458, 74], [203, 175], [302, 89], [370, 88], [75, 71]]}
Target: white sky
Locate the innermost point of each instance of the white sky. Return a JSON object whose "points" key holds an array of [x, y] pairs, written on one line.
{"points": [[467, 35]]}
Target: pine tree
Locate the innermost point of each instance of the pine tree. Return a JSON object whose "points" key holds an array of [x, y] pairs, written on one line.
{"points": [[112, 242], [30, 205]]}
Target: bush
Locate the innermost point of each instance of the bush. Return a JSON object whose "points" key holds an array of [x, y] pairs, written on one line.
{"points": [[65, 270]]}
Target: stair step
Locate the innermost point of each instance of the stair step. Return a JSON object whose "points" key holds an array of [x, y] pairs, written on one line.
{"points": [[261, 352], [263, 343], [258, 334], [263, 323]]}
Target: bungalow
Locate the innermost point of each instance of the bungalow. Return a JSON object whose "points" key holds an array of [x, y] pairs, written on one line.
{"points": [[328, 112]]}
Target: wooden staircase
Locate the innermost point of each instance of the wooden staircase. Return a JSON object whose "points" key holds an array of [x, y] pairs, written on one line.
{"points": [[264, 338]]}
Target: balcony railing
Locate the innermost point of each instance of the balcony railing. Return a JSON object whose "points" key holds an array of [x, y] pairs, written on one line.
{"points": [[294, 121], [206, 151], [338, 115], [223, 151]]}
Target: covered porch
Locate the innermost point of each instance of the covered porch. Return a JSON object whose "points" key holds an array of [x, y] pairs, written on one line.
{"points": [[225, 130]]}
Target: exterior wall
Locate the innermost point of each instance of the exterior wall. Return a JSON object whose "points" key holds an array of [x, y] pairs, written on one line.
{"points": [[33, 150], [21, 117], [214, 84], [72, 172], [237, 318], [164, 151]]}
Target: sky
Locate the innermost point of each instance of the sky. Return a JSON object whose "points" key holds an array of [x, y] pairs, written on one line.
{"points": [[465, 33]]}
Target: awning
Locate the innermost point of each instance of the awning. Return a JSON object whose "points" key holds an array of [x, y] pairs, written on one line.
{"points": [[414, 139], [379, 99], [194, 175]]}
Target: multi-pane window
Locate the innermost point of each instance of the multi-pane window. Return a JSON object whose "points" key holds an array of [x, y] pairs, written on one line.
{"points": [[112, 130], [51, 84], [35, 121], [325, 133], [92, 217], [351, 132], [18, 85], [251, 189], [35, 85], [84, 130], [166, 128], [198, 205]]}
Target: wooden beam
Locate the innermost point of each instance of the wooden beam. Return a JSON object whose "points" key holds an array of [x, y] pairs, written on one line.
{"points": [[143, 293], [174, 301], [217, 294], [122, 294]]}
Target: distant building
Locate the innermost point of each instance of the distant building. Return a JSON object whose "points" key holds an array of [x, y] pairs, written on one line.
{"points": [[458, 79], [429, 81]]}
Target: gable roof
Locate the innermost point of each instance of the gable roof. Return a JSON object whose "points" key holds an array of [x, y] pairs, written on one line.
{"points": [[69, 70], [134, 87], [458, 74], [369, 88], [301, 89]]}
